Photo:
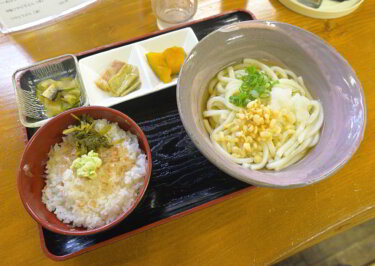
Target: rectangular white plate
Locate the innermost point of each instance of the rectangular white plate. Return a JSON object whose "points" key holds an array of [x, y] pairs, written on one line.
{"points": [[93, 66]]}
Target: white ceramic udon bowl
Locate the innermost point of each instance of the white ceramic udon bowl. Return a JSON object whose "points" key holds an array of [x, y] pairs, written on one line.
{"points": [[326, 74]]}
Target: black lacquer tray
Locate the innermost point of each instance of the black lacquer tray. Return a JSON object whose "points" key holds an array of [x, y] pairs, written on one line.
{"points": [[182, 181]]}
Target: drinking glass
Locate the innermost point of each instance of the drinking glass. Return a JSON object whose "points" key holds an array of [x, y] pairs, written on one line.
{"points": [[173, 12]]}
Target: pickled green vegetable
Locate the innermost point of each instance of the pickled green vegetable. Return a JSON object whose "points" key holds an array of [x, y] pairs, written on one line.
{"points": [[86, 137], [58, 96]]}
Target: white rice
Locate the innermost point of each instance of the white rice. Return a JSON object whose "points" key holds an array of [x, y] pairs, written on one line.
{"points": [[92, 203]]}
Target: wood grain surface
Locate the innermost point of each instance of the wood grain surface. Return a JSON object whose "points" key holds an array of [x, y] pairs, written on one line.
{"points": [[259, 227]]}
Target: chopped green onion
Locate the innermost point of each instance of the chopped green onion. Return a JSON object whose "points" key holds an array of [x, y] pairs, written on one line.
{"points": [[256, 84]]}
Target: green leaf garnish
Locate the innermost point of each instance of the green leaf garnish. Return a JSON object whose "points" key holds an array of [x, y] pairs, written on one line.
{"points": [[255, 85], [85, 136]]}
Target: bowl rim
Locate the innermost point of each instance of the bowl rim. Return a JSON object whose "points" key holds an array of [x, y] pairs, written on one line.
{"points": [[271, 24], [52, 227]]}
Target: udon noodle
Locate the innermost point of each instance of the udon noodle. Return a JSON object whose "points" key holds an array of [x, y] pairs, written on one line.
{"points": [[269, 127]]}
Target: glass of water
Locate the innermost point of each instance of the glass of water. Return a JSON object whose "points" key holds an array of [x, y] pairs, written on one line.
{"points": [[173, 12]]}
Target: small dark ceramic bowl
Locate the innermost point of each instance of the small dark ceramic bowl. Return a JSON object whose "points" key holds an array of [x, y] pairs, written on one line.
{"points": [[32, 168], [327, 75]]}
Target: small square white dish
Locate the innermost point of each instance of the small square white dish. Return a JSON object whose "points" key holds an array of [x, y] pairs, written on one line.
{"points": [[93, 66]]}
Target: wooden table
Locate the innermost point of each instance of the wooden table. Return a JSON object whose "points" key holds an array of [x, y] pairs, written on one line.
{"points": [[256, 228]]}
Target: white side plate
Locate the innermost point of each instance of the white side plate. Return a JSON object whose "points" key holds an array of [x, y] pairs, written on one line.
{"points": [[93, 66]]}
